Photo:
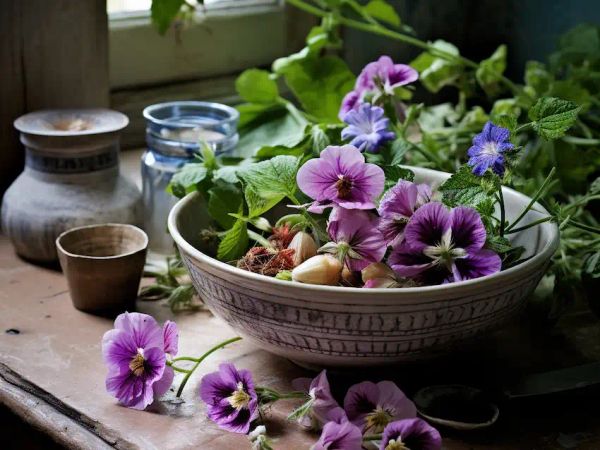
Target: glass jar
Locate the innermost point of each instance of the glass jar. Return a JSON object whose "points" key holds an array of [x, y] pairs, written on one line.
{"points": [[174, 132]]}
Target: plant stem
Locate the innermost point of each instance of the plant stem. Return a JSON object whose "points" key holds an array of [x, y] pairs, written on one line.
{"points": [[202, 358], [373, 437], [382, 31], [581, 141], [583, 226], [524, 127], [502, 211], [538, 194], [184, 358], [264, 242], [316, 228], [529, 225]]}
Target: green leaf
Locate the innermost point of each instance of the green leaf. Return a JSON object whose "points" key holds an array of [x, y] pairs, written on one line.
{"points": [[489, 73], [572, 91], [187, 178], [266, 183], [399, 148], [498, 244], [286, 130], [552, 117], [318, 138], [255, 114], [317, 39], [320, 85], [234, 243], [383, 11], [163, 12], [537, 77], [256, 86], [573, 166], [506, 121], [506, 106], [595, 186], [465, 188], [395, 173], [223, 199], [435, 72]]}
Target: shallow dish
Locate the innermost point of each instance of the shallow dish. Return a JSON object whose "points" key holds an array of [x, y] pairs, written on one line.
{"points": [[327, 326]]}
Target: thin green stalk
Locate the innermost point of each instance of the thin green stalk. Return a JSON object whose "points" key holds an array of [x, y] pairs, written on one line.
{"points": [[581, 141], [427, 154], [382, 31], [373, 437], [178, 369], [202, 358], [184, 358], [502, 212], [583, 226], [264, 242], [538, 194], [529, 225], [316, 228]]}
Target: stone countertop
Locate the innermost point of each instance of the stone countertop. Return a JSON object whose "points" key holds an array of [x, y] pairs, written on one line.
{"points": [[52, 375]]}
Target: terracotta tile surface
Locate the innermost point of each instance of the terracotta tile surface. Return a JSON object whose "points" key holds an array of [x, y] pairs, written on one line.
{"points": [[58, 351]]}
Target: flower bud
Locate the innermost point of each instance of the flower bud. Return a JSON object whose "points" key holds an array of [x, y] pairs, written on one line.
{"points": [[320, 269], [304, 247]]}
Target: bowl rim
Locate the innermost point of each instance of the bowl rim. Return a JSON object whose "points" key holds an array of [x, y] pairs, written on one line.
{"points": [[537, 259], [116, 121]]}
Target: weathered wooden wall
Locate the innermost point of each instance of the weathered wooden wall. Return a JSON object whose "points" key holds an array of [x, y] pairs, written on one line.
{"points": [[53, 54]]}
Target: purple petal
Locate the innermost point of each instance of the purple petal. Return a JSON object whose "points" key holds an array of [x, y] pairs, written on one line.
{"points": [[475, 265], [427, 226], [339, 436], [171, 337], [498, 134], [413, 433], [360, 400], [402, 74], [349, 102], [143, 329], [393, 400], [400, 199], [161, 386], [468, 231], [407, 262]]}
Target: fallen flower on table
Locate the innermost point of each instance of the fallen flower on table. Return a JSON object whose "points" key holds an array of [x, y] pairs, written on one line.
{"points": [[320, 406], [140, 356], [413, 434], [339, 434]]}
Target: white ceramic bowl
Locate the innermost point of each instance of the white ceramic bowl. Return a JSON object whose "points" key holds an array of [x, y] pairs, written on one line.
{"points": [[326, 326]]}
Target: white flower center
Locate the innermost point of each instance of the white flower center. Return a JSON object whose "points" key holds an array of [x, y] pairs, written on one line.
{"points": [[394, 444], [444, 252], [489, 149]]}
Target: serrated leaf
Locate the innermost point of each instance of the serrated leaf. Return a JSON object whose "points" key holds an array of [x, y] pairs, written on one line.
{"points": [[490, 70], [256, 86], [187, 178], [537, 77], [498, 244], [234, 243], [223, 199], [464, 188], [398, 150], [552, 116], [383, 11], [395, 173], [435, 72]]}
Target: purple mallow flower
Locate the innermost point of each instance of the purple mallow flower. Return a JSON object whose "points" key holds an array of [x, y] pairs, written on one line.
{"points": [[397, 207], [321, 407], [372, 406], [444, 246], [230, 397], [355, 236], [135, 353], [378, 78], [488, 150], [413, 434], [339, 435], [367, 128], [341, 177]]}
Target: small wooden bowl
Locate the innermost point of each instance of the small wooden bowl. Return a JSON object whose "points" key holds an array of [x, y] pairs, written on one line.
{"points": [[103, 265]]}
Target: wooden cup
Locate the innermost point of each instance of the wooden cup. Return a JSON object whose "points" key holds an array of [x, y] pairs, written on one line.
{"points": [[103, 265]]}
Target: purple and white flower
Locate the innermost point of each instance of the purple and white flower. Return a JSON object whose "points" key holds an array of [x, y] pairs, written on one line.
{"points": [[135, 353], [321, 406], [488, 150], [367, 128], [443, 246], [340, 176], [372, 406], [414, 434], [230, 397], [355, 238], [339, 435], [378, 78], [397, 207]]}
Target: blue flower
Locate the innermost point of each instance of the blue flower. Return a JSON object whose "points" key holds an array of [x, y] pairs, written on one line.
{"points": [[367, 127], [488, 150]]}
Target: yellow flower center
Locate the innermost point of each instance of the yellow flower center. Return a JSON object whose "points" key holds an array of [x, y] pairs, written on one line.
{"points": [[377, 420], [239, 398], [396, 445], [343, 186], [136, 365]]}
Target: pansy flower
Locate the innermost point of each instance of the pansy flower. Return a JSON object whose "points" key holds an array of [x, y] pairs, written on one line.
{"points": [[230, 397], [355, 237], [339, 434], [397, 207], [340, 176], [320, 405], [444, 246], [410, 434], [367, 128], [487, 151], [135, 352], [371, 406]]}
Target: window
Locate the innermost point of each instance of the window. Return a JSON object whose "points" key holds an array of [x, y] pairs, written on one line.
{"points": [[201, 60]]}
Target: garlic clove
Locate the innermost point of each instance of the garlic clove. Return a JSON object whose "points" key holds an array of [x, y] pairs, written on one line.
{"points": [[304, 247], [320, 269], [377, 270]]}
